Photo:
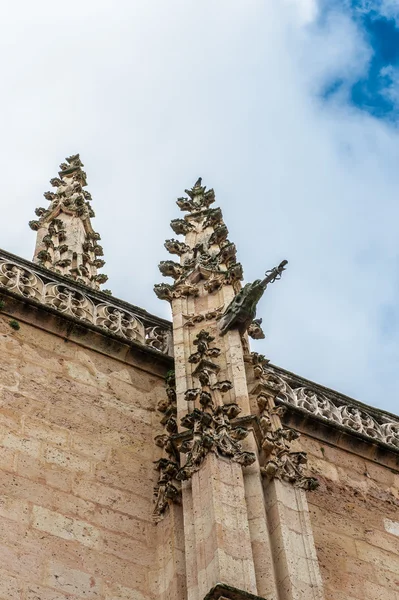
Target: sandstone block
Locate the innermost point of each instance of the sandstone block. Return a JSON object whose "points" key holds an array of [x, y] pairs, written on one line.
{"points": [[7, 459], [25, 565], [115, 570], [14, 509], [373, 591], [73, 581], [122, 523], [377, 556], [47, 432], [23, 444], [10, 588], [128, 548], [90, 446], [67, 460], [65, 527], [391, 526], [38, 592], [119, 500], [118, 592]]}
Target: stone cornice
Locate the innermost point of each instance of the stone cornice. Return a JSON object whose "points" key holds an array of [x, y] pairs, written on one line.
{"points": [[121, 320], [79, 303], [335, 410]]}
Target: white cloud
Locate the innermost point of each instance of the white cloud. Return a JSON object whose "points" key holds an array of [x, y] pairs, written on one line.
{"points": [[305, 10], [386, 8], [389, 9], [155, 94], [390, 75]]}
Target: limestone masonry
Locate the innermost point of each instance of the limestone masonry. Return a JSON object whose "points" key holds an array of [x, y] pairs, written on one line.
{"points": [[143, 459]]}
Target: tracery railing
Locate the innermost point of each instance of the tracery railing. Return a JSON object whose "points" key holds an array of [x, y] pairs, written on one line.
{"points": [[379, 426], [69, 300]]}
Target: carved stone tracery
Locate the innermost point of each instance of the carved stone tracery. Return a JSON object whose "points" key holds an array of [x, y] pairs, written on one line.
{"points": [[69, 301], [353, 418], [160, 339], [120, 322], [73, 302], [21, 280]]}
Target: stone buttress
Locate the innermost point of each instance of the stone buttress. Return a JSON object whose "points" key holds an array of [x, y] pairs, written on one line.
{"points": [[226, 456]]}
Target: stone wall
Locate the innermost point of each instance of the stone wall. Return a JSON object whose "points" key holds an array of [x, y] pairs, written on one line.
{"points": [[355, 519], [76, 469]]}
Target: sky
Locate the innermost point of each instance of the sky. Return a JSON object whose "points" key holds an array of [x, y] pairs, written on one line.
{"points": [[289, 109]]}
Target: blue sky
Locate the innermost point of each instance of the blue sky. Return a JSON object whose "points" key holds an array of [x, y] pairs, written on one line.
{"points": [[375, 91], [288, 108]]}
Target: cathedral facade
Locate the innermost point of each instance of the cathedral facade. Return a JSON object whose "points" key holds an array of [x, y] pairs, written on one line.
{"points": [[146, 459]]}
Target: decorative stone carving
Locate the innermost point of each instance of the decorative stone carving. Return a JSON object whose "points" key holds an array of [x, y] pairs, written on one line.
{"points": [[160, 339], [255, 330], [202, 342], [353, 418], [279, 461], [215, 282], [120, 322], [66, 242], [169, 268], [242, 310], [167, 489], [176, 247], [219, 236], [71, 301], [213, 218], [209, 256], [212, 433], [210, 426], [221, 591], [191, 320], [199, 198], [164, 291], [180, 226], [21, 281]]}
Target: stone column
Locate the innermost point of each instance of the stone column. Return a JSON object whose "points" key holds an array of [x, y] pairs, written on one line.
{"points": [[296, 565], [231, 550], [211, 392], [294, 553]]}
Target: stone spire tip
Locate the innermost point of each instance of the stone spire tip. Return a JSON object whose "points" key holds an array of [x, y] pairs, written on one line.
{"points": [[66, 242]]}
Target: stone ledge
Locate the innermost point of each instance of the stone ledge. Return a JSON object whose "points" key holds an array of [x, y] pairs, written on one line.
{"points": [[86, 335], [338, 436], [297, 381], [98, 294], [221, 591], [78, 303], [326, 408]]}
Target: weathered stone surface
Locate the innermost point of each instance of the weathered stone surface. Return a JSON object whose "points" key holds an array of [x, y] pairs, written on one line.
{"points": [[353, 514], [222, 591], [76, 471], [85, 416]]}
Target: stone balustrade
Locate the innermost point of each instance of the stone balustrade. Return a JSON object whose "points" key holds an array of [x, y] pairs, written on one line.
{"points": [[79, 302]]}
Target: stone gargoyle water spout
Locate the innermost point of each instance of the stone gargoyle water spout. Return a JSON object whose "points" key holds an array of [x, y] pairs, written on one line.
{"points": [[242, 309]]}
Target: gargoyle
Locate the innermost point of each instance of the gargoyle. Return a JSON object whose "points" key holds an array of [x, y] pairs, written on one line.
{"points": [[242, 309]]}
